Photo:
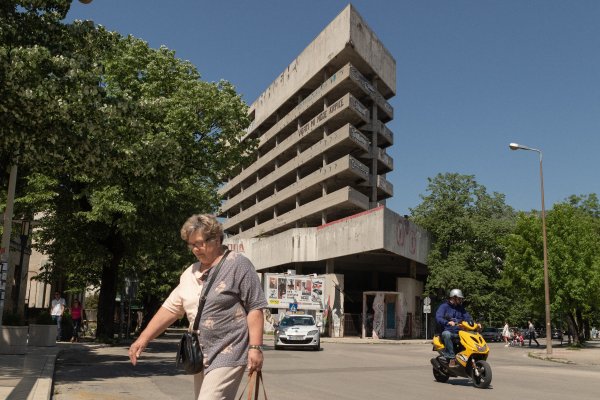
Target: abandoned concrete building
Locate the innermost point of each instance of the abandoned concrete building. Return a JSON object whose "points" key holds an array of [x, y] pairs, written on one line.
{"points": [[311, 212]]}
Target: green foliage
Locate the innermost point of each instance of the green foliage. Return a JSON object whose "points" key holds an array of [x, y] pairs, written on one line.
{"points": [[91, 301], [49, 91], [466, 223], [118, 144], [573, 237]]}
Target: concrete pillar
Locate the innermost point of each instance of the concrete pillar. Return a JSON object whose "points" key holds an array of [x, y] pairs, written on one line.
{"points": [[298, 268], [411, 289], [334, 294], [374, 149], [329, 266]]}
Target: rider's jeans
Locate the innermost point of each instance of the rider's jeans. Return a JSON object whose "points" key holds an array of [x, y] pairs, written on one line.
{"points": [[448, 344]]}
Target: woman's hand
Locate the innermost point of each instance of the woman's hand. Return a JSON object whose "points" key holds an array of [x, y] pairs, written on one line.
{"points": [[136, 349], [255, 360]]}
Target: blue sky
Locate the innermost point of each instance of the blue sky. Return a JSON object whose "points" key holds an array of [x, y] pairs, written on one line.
{"points": [[472, 76]]}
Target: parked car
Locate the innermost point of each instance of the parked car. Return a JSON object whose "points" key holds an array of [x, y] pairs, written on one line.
{"points": [[557, 334], [297, 331], [492, 334]]}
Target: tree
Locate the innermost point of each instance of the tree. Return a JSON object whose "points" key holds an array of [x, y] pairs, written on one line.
{"points": [[466, 223], [49, 86], [158, 143], [49, 93], [573, 235]]}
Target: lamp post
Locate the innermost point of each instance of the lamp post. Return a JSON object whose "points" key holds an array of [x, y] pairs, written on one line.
{"points": [[516, 146]]}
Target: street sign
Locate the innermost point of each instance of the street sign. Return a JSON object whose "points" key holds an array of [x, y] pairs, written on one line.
{"points": [[426, 309], [427, 301]]}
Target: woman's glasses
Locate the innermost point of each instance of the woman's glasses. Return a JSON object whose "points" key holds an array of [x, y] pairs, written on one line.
{"points": [[199, 244]]}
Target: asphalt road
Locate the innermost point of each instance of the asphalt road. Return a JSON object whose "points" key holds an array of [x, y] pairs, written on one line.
{"points": [[338, 371]]}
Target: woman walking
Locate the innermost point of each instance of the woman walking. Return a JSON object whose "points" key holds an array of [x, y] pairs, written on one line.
{"points": [[505, 333], [76, 314]]}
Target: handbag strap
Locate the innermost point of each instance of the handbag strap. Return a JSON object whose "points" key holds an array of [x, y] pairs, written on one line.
{"points": [[255, 379], [205, 290]]}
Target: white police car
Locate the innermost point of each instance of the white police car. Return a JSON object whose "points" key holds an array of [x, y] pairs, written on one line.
{"points": [[297, 331]]}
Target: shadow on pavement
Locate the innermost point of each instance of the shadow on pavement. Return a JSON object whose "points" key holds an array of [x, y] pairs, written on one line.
{"points": [[95, 362]]}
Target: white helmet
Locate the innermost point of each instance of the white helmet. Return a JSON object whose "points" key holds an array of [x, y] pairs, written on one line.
{"points": [[456, 293]]}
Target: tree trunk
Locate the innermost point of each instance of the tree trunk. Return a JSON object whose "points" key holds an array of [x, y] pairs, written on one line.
{"points": [[150, 304], [573, 328], [108, 289]]}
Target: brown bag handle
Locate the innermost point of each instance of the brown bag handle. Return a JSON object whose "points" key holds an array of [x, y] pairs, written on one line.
{"points": [[253, 385]]}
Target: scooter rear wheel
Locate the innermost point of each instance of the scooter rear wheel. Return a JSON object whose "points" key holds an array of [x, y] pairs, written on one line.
{"points": [[440, 376], [482, 376]]}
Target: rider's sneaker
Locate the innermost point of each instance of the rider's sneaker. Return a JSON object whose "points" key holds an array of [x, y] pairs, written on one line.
{"points": [[452, 363]]}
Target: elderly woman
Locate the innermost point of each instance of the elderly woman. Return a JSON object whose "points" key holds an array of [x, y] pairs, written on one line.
{"points": [[231, 324]]}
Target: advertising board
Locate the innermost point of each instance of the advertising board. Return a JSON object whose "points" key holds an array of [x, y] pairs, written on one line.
{"points": [[307, 291]]}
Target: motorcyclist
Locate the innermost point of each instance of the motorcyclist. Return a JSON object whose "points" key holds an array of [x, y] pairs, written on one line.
{"points": [[449, 315]]}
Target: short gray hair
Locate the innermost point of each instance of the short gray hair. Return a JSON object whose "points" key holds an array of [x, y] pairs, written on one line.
{"points": [[208, 224]]}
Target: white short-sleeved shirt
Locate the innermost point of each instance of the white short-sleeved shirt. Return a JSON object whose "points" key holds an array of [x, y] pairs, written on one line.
{"points": [[236, 291], [58, 307]]}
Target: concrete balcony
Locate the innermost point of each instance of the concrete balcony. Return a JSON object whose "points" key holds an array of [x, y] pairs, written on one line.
{"points": [[345, 201], [347, 39], [336, 174], [384, 188], [385, 163], [346, 109], [345, 140]]}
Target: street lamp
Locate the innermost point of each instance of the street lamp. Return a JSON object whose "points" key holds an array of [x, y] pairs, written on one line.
{"points": [[516, 146]]}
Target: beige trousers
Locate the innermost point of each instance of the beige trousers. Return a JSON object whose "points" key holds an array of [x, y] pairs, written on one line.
{"points": [[218, 384]]}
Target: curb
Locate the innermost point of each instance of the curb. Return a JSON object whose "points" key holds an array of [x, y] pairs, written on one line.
{"points": [[42, 389], [544, 357]]}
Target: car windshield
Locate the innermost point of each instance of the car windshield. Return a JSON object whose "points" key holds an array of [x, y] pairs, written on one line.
{"points": [[291, 321]]}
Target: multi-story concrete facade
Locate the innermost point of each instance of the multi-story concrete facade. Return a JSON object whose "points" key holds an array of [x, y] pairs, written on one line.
{"points": [[314, 199]]}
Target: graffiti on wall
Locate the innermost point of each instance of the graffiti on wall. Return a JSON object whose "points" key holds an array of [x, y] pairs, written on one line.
{"points": [[378, 316], [237, 247], [406, 235]]}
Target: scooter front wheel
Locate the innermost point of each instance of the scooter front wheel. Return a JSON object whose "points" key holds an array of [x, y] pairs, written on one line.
{"points": [[482, 374]]}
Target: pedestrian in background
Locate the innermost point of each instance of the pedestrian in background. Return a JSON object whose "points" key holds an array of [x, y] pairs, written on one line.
{"points": [[505, 333], [57, 309], [231, 324], [76, 316], [531, 330]]}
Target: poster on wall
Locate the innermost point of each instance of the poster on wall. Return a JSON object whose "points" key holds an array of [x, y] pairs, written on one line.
{"points": [[304, 290]]}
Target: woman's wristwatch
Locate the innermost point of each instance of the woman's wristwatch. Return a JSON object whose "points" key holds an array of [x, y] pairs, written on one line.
{"points": [[256, 347]]}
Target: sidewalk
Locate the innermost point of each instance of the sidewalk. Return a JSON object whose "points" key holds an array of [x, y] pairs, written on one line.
{"points": [[590, 355], [30, 377]]}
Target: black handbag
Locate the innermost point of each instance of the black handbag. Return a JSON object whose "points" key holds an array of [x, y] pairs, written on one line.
{"points": [[189, 354]]}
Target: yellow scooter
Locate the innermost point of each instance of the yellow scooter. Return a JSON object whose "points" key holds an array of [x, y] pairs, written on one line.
{"points": [[470, 361]]}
